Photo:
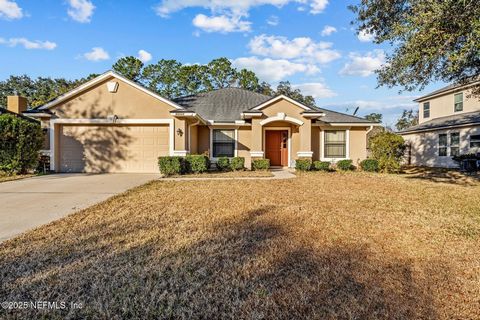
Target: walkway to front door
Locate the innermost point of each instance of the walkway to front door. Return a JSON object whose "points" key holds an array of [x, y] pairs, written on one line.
{"points": [[276, 147]]}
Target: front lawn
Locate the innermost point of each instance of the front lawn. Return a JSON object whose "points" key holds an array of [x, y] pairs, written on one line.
{"points": [[323, 245]]}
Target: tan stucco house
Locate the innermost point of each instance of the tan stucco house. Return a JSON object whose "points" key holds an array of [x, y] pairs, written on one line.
{"points": [[449, 125], [111, 124]]}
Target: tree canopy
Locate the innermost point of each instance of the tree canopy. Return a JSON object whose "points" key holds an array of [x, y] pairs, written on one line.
{"points": [[168, 78], [409, 118], [432, 40]]}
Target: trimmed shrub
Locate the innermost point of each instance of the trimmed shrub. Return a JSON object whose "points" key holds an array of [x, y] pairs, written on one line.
{"points": [[223, 164], [171, 165], [345, 165], [321, 165], [370, 165], [196, 163], [20, 142], [260, 164], [388, 149], [303, 164], [237, 163]]}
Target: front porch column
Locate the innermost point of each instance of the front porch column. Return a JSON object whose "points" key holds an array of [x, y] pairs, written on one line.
{"points": [[180, 137], [305, 131], [256, 150]]}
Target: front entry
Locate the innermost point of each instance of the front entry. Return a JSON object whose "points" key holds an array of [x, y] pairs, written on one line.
{"points": [[276, 147]]}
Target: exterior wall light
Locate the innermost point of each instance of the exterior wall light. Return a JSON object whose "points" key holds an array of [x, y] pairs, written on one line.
{"points": [[179, 132]]}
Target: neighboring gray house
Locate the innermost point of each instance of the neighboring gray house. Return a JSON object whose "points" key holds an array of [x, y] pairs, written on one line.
{"points": [[449, 124]]}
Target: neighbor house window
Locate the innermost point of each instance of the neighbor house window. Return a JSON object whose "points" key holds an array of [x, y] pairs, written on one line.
{"points": [[223, 143], [458, 102], [454, 143], [475, 141], [442, 144], [426, 110], [335, 144]]}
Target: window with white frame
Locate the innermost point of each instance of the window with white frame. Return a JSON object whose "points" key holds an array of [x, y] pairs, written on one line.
{"points": [[335, 144], [458, 102], [454, 144], [475, 141], [442, 144], [223, 143], [426, 109]]}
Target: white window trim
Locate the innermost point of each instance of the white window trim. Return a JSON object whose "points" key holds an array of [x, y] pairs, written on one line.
{"points": [[235, 137], [54, 122], [454, 103], [289, 143], [322, 145]]}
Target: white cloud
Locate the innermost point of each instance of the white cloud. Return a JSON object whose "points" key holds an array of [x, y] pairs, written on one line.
{"points": [[363, 65], [28, 44], [144, 56], [297, 48], [273, 70], [10, 10], [233, 7], [328, 30], [273, 21], [318, 6], [81, 10], [222, 23], [365, 36], [97, 54], [317, 90]]}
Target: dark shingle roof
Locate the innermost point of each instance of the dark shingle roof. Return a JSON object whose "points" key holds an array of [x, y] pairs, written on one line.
{"points": [[446, 89], [223, 104], [337, 117], [227, 104], [448, 121], [5, 111]]}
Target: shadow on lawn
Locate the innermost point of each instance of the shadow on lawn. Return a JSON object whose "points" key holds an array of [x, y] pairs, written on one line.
{"points": [[251, 268], [442, 175]]}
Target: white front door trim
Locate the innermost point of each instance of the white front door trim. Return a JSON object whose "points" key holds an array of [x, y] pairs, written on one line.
{"points": [[54, 123]]}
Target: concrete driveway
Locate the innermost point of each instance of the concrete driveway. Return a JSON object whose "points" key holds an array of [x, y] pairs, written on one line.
{"points": [[31, 202]]}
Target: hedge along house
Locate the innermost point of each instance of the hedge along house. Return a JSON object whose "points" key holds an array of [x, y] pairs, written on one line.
{"points": [[111, 124]]}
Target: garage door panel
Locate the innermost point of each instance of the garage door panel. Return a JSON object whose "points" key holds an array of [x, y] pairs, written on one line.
{"points": [[112, 148]]}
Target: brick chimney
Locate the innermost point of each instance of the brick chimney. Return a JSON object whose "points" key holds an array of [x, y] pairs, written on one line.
{"points": [[16, 104]]}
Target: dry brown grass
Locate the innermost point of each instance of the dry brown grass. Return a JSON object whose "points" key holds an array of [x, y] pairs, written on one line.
{"points": [[442, 175], [5, 177], [227, 174], [319, 246]]}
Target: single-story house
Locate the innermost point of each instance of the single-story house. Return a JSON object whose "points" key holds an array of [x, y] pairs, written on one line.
{"points": [[112, 124], [449, 125]]}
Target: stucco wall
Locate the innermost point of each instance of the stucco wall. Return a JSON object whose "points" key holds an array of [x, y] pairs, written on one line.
{"points": [[193, 140], [203, 140], [358, 144], [424, 147], [444, 105], [244, 139]]}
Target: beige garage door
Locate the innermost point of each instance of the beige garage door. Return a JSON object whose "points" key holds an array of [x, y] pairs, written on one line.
{"points": [[112, 148]]}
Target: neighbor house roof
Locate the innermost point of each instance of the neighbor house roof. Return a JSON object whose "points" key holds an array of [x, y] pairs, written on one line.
{"points": [[446, 89], [227, 105], [446, 122]]}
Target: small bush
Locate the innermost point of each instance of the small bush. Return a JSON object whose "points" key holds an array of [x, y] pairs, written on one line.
{"points": [[20, 142], [369, 165], [197, 163], [223, 164], [260, 164], [171, 165], [303, 164], [237, 163], [345, 165], [388, 148], [321, 165]]}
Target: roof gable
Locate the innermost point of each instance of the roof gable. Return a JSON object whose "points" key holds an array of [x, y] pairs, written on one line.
{"points": [[281, 97], [89, 84]]}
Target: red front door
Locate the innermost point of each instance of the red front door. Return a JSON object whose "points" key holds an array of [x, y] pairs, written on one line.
{"points": [[276, 147]]}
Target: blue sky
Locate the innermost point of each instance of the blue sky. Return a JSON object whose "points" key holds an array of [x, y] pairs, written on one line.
{"points": [[311, 43]]}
